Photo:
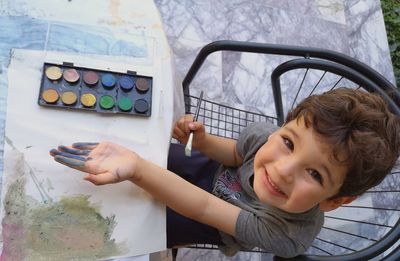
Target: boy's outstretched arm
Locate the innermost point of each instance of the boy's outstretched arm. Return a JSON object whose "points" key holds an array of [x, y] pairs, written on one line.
{"points": [[222, 150], [187, 199], [108, 163]]}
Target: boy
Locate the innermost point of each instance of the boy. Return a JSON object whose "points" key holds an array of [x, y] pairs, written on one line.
{"points": [[274, 183]]}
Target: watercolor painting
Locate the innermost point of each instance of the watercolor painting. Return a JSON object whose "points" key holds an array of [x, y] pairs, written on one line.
{"points": [[63, 229]]}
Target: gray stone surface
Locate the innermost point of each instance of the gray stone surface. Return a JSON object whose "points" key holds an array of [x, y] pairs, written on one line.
{"points": [[354, 28]]}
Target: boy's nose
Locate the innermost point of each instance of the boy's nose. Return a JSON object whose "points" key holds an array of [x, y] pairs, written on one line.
{"points": [[286, 169]]}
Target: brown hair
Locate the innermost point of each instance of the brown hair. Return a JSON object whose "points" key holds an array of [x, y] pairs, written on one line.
{"points": [[359, 126]]}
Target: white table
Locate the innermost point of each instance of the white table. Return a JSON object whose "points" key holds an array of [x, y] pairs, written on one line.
{"points": [[65, 31]]}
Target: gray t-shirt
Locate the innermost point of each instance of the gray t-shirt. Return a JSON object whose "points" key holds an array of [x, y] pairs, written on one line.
{"points": [[260, 225]]}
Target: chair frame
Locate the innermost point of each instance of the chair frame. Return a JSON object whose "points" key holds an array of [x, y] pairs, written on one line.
{"points": [[330, 61]]}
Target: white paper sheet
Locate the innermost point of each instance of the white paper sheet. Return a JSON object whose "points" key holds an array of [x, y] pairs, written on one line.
{"points": [[49, 211]]}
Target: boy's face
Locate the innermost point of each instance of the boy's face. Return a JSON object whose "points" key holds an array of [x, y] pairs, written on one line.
{"points": [[292, 170]]}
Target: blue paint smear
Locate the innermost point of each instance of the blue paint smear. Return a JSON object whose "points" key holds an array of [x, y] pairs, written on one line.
{"points": [[20, 32], [92, 40]]}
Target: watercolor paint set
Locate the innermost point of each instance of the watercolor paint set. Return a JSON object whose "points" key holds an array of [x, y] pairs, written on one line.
{"points": [[69, 87]]}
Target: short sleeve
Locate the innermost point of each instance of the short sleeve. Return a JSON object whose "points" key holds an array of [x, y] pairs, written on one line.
{"points": [[268, 233]]}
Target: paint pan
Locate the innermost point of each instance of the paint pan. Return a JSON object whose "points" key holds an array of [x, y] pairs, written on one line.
{"points": [[50, 96], [108, 81], [68, 98], [90, 78], [66, 86], [71, 75], [125, 104], [142, 85], [53, 73], [126, 83], [107, 102], [88, 100]]}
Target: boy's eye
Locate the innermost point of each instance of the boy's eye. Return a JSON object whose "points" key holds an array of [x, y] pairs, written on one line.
{"points": [[289, 144], [316, 175]]}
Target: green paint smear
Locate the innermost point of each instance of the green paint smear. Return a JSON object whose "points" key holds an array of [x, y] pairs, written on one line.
{"points": [[71, 228]]}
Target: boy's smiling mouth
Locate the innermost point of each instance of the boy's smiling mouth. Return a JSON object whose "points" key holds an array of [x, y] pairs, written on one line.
{"points": [[272, 187]]}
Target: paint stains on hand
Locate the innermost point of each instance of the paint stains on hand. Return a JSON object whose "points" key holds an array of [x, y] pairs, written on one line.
{"points": [[105, 162], [73, 157]]}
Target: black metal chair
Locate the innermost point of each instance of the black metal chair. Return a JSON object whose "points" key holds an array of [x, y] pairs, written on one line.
{"points": [[368, 228]]}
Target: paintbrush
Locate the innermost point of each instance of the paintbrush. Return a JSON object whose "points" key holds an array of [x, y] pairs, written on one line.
{"points": [[188, 148]]}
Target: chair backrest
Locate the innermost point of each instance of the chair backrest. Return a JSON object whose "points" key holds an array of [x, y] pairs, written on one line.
{"points": [[369, 226]]}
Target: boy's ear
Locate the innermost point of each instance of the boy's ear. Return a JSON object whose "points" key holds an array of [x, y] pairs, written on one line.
{"points": [[331, 204]]}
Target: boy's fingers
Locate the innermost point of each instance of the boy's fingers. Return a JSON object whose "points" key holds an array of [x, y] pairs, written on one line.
{"points": [[182, 122], [55, 152], [194, 126], [73, 151], [85, 145], [178, 133], [184, 126], [70, 162]]}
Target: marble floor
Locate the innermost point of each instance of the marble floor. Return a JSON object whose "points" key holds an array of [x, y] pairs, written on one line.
{"points": [[353, 27]]}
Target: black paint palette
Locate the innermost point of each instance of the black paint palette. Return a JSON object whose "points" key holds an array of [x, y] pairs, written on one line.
{"points": [[69, 87]]}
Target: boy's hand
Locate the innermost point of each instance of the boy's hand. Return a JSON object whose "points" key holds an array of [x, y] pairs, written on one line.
{"points": [[184, 126], [105, 162]]}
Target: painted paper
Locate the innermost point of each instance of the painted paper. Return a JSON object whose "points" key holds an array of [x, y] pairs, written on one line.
{"points": [[48, 211]]}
